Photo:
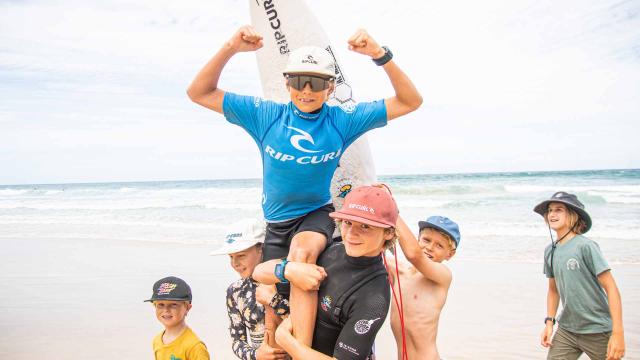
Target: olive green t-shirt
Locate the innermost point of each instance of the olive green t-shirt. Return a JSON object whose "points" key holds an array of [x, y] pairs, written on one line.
{"points": [[576, 266]]}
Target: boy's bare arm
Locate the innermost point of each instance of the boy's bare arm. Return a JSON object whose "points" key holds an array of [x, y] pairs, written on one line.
{"points": [[616, 348], [265, 351], [305, 276], [432, 270], [407, 97], [264, 272], [204, 88], [553, 299], [295, 348]]}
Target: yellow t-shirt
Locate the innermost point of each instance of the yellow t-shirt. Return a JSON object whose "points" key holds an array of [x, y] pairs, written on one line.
{"points": [[187, 346]]}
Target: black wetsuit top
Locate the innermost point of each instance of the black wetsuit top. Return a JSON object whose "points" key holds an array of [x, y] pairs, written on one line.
{"points": [[350, 335]]}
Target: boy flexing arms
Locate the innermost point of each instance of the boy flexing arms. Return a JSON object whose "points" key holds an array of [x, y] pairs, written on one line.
{"points": [[300, 144], [425, 284]]}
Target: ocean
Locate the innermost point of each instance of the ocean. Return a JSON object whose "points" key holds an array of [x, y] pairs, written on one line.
{"points": [[494, 210], [78, 260]]}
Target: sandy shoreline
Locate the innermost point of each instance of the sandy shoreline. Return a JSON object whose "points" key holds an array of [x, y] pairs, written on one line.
{"points": [[69, 298]]}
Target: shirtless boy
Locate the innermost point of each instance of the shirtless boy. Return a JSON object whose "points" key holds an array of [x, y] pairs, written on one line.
{"points": [[425, 284]]}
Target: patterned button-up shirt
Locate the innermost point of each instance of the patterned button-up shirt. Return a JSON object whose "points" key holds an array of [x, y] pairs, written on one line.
{"points": [[247, 315]]}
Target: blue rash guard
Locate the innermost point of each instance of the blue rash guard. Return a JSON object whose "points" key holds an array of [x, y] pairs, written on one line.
{"points": [[300, 151]]}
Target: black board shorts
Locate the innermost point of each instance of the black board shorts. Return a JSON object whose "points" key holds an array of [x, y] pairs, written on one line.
{"points": [[277, 240]]}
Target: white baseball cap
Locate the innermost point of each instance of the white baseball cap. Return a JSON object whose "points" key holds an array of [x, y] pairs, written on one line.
{"points": [[311, 60], [241, 236]]}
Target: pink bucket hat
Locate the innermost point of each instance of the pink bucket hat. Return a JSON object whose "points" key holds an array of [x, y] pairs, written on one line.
{"points": [[369, 205]]}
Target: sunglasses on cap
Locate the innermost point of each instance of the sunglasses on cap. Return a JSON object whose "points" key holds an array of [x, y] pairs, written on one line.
{"points": [[316, 83]]}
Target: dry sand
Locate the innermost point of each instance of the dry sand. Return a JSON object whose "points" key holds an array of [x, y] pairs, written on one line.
{"points": [[84, 300]]}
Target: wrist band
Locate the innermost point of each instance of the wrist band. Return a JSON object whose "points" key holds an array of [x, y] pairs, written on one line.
{"points": [[388, 55], [549, 318], [279, 271]]}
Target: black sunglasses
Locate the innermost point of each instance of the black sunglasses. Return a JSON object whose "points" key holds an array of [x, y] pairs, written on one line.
{"points": [[317, 83]]}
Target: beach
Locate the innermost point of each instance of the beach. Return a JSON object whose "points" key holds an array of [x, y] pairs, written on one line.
{"points": [[78, 260]]}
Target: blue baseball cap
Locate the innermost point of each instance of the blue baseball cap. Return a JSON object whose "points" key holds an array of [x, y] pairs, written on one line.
{"points": [[442, 223]]}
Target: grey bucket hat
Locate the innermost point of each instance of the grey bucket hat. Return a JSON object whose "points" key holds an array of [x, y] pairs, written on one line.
{"points": [[569, 200]]}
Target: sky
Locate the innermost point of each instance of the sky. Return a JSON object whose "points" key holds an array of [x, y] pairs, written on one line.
{"points": [[94, 91]]}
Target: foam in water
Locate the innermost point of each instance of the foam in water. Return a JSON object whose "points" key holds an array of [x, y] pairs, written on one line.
{"points": [[493, 210]]}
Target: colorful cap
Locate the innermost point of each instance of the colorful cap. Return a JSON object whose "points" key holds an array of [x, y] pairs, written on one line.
{"points": [[171, 288], [442, 223], [310, 60], [369, 205], [569, 200]]}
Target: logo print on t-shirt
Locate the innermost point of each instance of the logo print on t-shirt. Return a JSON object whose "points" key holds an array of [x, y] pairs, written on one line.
{"points": [[295, 140], [573, 264], [363, 326]]}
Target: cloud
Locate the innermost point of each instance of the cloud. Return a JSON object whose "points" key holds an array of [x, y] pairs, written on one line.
{"points": [[103, 84]]}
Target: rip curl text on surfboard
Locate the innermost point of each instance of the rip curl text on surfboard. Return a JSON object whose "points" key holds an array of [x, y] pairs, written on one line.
{"points": [[274, 22]]}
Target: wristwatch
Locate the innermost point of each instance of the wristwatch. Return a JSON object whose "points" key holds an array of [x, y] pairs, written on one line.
{"points": [[388, 55], [550, 318], [279, 271]]}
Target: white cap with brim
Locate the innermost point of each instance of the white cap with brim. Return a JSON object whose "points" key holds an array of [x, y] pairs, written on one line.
{"points": [[241, 236], [311, 60]]}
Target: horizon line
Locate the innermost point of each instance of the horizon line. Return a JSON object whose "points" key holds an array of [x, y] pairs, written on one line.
{"points": [[379, 175]]}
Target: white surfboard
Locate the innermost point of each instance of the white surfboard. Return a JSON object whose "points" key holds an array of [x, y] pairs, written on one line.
{"points": [[285, 26]]}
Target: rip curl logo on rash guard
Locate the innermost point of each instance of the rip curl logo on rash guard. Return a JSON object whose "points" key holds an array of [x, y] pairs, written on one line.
{"points": [[303, 141], [299, 151], [295, 140]]}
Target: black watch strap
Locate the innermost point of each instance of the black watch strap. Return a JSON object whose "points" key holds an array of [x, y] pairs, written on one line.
{"points": [[550, 318], [388, 55]]}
